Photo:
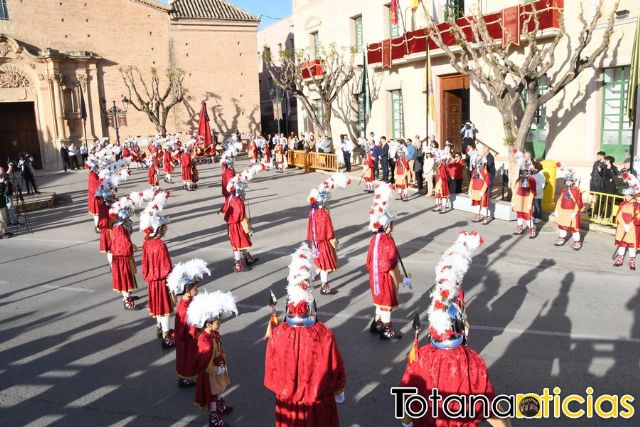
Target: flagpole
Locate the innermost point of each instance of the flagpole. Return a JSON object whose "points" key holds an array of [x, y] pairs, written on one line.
{"points": [[632, 149], [426, 73], [404, 27]]}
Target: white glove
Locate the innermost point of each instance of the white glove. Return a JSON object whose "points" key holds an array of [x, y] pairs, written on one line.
{"points": [[626, 227], [574, 215], [407, 281], [340, 398], [408, 425], [221, 371]]}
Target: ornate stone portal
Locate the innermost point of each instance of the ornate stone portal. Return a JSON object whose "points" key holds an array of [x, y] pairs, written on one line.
{"points": [[12, 77]]}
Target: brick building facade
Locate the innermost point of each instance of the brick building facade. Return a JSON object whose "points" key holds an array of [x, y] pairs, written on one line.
{"points": [[54, 53]]}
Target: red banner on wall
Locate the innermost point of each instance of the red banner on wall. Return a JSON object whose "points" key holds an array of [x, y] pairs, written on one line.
{"points": [[386, 54], [511, 23]]}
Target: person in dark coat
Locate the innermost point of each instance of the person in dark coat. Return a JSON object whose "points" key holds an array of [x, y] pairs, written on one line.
{"points": [[491, 167], [595, 185], [384, 158], [64, 154], [609, 175], [418, 165]]}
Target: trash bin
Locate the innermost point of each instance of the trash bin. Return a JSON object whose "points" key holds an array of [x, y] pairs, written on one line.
{"points": [[549, 170]]}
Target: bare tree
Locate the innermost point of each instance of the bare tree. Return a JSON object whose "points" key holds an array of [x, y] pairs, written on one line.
{"points": [[313, 77], [149, 98], [513, 81]]}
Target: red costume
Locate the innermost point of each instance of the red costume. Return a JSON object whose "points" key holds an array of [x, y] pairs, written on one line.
{"points": [[92, 185], [304, 368], [156, 266], [235, 217], [369, 175], [321, 235], [279, 155], [442, 186], [126, 152], [454, 169], [104, 224], [209, 356], [227, 174], [569, 203], [252, 151], [459, 370], [480, 182], [382, 259], [167, 162], [628, 213], [185, 165], [123, 268], [152, 175], [522, 199], [401, 174], [266, 153], [186, 343]]}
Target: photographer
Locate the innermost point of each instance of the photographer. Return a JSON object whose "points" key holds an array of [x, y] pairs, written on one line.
{"points": [[4, 196], [25, 165], [468, 133]]}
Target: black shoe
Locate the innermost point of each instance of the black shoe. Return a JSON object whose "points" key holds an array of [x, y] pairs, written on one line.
{"points": [[388, 334], [376, 327], [182, 383]]}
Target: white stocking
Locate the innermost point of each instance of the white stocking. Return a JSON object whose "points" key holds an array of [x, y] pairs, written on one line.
{"points": [[520, 222], [237, 255], [95, 220], [378, 312], [576, 236], [632, 252], [109, 258], [164, 322], [562, 234], [324, 276], [622, 250], [126, 295], [385, 316]]}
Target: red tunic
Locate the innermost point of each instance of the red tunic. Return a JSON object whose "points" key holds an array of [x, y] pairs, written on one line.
{"points": [[480, 183], [156, 266], [152, 175], [186, 343], [234, 214], [126, 152], [92, 185], [567, 204], [122, 266], [252, 151], [185, 166], [104, 224], [441, 188], [267, 153], [304, 368], [279, 154], [454, 169], [320, 233], [167, 162], [379, 264], [227, 174], [205, 356], [401, 173], [369, 174], [628, 213], [459, 371], [522, 199]]}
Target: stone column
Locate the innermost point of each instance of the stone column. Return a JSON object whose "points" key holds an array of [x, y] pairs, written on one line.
{"points": [[57, 98], [92, 100]]}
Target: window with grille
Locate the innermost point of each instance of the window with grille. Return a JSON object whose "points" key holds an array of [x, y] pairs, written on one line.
{"points": [[454, 8], [394, 30], [357, 32], [616, 130], [397, 115], [4, 13], [315, 44]]}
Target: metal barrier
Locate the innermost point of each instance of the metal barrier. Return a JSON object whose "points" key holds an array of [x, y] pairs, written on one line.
{"points": [[312, 160], [605, 209]]}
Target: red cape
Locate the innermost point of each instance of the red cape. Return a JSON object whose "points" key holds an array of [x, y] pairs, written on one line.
{"points": [[326, 259], [381, 284], [234, 213], [156, 266], [186, 343]]}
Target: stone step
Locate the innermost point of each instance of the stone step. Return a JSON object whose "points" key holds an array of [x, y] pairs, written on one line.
{"points": [[33, 202]]}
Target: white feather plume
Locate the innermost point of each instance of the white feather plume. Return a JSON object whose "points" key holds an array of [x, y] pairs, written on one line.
{"points": [[185, 273], [212, 306]]}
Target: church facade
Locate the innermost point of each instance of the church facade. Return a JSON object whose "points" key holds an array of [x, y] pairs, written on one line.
{"points": [[60, 62]]}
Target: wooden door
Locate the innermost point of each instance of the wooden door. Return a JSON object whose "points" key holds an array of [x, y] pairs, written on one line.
{"points": [[452, 119], [18, 132]]}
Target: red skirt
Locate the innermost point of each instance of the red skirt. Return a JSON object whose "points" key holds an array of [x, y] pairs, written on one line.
{"points": [[316, 414], [203, 391], [186, 173], [326, 259], [523, 215], [123, 278], [483, 202], [94, 205], [105, 240], [159, 302], [185, 359], [238, 238], [386, 295], [167, 166]]}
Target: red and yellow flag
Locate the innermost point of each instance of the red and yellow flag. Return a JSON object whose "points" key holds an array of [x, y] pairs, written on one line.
{"points": [[393, 9], [414, 5]]}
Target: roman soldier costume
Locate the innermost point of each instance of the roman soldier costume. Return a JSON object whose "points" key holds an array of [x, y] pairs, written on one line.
{"points": [[369, 173], [252, 152], [303, 364], [185, 166], [524, 191], [628, 222], [320, 232], [152, 174], [167, 162], [93, 182], [206, 312], [479, 186], [279, 157], [123, 267], [228, 172], [568, 207], [382, 264], [183, 282], [401, 175]]}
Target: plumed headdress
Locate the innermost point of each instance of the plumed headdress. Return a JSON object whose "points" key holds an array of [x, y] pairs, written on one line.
{"points": [[300, 302], [379, 216], [123, 208], [633, 185], [207, 307], [150, 218], [523, 163], [322, 193], [569, 174], [446, 310], [186, 273], [239, 182]]}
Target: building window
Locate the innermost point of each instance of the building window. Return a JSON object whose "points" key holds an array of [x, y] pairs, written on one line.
{"points": [[397, 115], [319, 110], [357, 32], [315, 44], [4, 14], [616, 129], [454, 8], [362, 114], [394, 30], [537, 138]]}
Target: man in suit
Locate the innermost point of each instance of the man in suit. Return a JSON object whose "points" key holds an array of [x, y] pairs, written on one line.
{"points": [[384, 158], [491, 167], [64, 154]]}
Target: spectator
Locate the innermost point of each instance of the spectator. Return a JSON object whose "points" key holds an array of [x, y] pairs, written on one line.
{"points": [[73, 156], [454, 170], [4, 193], [429, 166], [418, 164], [376, 156], [346, 146], [384, 158], [25, 165], [64, 154], [627, 168], [468, 134], [491, 168], [541, 182], [84, 154], [595, 185], [360, 151], [609, 175], [393, 151], [411, 153]]}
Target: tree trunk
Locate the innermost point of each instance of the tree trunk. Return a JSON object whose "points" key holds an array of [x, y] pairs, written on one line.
{"points": [[326, 120]]}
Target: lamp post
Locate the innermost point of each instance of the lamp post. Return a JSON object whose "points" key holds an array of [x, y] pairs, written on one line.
{"points": [[114, 114], [276, 99]]}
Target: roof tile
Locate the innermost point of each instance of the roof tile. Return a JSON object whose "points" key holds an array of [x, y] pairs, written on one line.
{"points": [[209, 9]]}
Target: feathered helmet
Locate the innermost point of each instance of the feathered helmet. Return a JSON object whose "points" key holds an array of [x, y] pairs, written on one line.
{"points": [[150, 218], [238, 183], [569, 174], [229, 154], [379, 216], [446, 311], [208, 307], [107, 188], [321, 194], [301, 307], [476, 159], [524, 165], [186, 274], [633, 185], [123, 208], [440, 156]]}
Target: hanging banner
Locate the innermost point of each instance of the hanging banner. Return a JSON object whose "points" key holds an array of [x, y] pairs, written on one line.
{"points": [[511, 25], [386, 54]]}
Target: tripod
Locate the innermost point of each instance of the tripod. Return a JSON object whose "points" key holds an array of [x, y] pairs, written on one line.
{"points": [[21, 208]]}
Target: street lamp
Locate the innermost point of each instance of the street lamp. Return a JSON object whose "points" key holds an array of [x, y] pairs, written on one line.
{"points": [[116, 117], [276, 100]]}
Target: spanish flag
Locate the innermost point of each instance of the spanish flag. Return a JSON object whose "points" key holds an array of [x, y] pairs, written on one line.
{"points": [[428, 86], [393, 10]]}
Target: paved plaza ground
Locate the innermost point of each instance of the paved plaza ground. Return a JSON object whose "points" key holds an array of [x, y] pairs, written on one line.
{"points": [[541, 316]]}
